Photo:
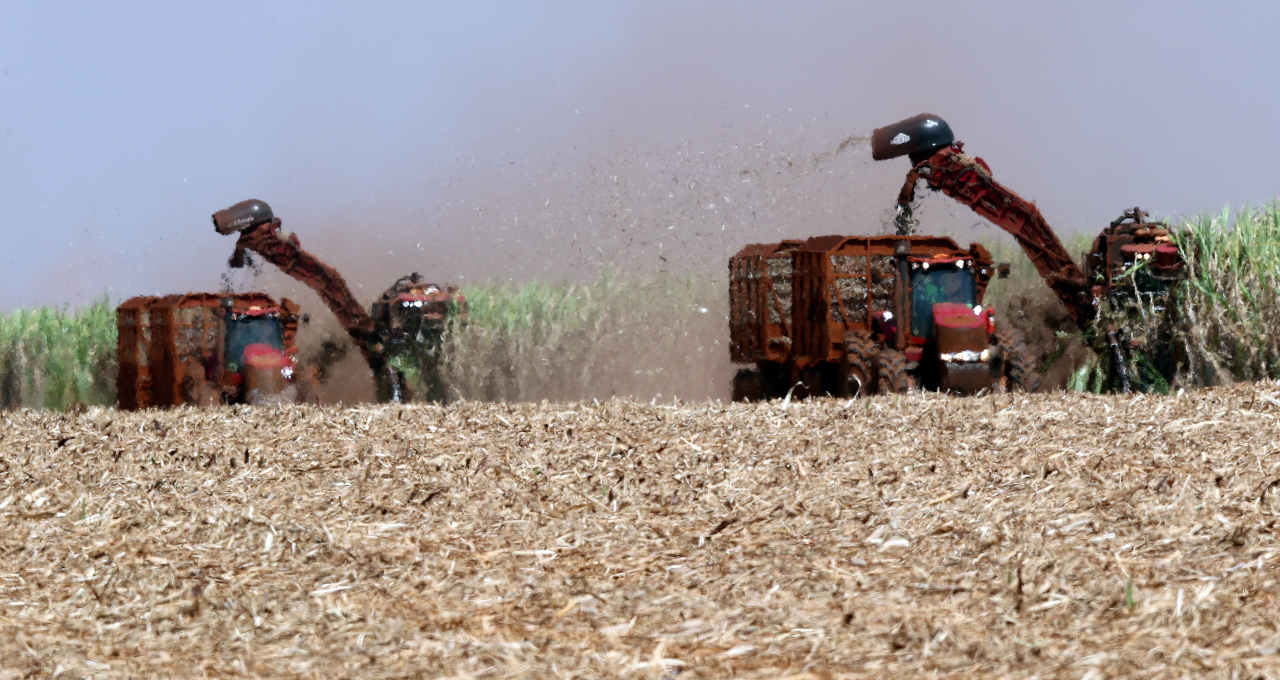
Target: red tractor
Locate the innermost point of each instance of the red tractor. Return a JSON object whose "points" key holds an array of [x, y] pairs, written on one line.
{"points": [[207, 349], [850, 315]]}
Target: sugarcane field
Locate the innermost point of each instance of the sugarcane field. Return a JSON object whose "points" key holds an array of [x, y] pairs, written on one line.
{"points": [[1060, 533]]}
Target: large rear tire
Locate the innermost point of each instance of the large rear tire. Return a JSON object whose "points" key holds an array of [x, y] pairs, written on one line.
{"points": [[196, 388], [747, 385], [1019, 369], [775, 379], [891, 372], [857, 371]]}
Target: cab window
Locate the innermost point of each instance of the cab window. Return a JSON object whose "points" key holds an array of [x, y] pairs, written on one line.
{"points": [[938, 283]]}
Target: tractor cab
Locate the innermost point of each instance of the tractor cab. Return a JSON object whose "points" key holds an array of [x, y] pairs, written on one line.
{"points": [[950, 331], [254, 338], [255, 357], [939, 280]]}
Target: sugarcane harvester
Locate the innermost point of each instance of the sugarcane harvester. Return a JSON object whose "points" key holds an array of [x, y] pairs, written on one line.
{"points": [[259, 232], [1131, 260], [412, 317]]}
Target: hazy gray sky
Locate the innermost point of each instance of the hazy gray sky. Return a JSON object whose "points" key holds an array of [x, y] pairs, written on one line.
{"points": [[491, 140]]}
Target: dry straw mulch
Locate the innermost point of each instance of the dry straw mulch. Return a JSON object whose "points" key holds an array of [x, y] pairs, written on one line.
{"points": [[918, 536]]}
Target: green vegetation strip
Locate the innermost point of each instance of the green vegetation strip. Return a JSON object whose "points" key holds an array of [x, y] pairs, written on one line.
{"points": [[1230, 307], [54, 358], [607, 337]]}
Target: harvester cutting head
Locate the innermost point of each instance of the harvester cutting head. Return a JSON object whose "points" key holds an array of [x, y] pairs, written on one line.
{"points": [[241, 216], [1130, 240], [918, 136], [413, 311]]}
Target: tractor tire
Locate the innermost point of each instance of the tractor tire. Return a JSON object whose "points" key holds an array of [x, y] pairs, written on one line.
{"points": [[775, 380], [891, 373], [1019, 369], [394, 387], [747, 385], [857, 370]]}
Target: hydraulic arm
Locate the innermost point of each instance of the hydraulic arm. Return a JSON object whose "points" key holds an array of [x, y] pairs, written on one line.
{"points": [[968, 180], [260, 233], [939, 160]]}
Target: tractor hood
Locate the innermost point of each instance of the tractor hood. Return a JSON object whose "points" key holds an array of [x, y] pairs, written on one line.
{"points": [[959, 329]]}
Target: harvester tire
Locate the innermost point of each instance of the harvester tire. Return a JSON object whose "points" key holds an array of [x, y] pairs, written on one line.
{"points": [[857, 371], [1019, 368], [891, 372], [747, 385]]}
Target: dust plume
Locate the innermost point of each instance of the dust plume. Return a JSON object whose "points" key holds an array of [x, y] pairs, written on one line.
{"points": [[643, 215]]}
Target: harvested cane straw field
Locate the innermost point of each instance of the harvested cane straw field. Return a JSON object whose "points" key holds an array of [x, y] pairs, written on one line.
{"points": [[905, 536]]}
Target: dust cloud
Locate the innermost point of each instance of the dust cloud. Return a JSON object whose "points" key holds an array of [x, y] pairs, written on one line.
{"points": [[679, 211]]}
